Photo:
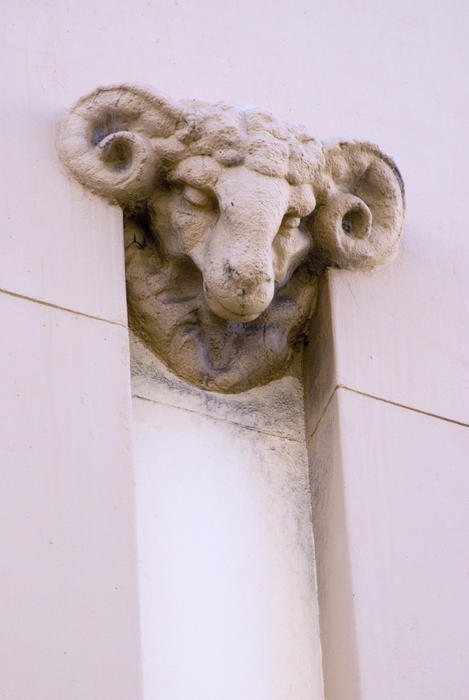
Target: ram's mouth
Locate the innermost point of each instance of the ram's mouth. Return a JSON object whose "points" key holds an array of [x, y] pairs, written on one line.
{"points": [[228, 314]]}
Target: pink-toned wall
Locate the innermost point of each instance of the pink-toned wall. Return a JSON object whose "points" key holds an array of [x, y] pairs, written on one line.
{"points": [[387, 376]]}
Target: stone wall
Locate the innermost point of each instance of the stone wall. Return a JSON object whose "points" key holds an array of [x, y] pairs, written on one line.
{"points": [[225, 558]]}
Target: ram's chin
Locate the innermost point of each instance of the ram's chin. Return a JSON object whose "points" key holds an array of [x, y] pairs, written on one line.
{"points": [[238, 316]]}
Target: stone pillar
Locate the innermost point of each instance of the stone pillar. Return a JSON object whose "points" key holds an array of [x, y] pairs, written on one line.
{"points": [[227, 589], [68, 582], [388, 409]]}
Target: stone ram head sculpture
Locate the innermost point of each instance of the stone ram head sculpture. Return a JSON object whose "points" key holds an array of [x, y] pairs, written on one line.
{"points": [[230, 216]]}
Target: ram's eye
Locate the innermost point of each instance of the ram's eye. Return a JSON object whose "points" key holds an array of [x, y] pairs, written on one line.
{"points": [[198, 198], [291, 221]]}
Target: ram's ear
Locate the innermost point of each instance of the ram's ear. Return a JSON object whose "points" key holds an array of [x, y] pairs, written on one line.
{"points": [[109, 140], [359, 218]]}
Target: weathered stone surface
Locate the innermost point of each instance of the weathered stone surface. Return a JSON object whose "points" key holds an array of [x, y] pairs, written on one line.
{"points": [[230, 218]]}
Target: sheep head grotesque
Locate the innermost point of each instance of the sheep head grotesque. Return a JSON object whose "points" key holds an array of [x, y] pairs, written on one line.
{"points": [[230, 216]]}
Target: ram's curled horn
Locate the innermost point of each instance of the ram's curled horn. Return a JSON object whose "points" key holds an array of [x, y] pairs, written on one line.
{"points": [[359, 221], [108, 140]]}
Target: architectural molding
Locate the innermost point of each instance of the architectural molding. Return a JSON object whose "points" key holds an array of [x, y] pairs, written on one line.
{"points": [[230, 217]]}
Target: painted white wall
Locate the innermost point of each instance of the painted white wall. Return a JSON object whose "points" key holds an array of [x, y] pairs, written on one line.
{"points": [[68, 574], [391, 522], [388, 378], [391, 73], [69, 614]]}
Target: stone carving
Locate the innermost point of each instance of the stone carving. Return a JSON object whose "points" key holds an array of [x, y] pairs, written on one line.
{"points": [[230, 216]]}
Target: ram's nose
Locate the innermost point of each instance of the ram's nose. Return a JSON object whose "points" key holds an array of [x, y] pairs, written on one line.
{"points": [[239, 294]]}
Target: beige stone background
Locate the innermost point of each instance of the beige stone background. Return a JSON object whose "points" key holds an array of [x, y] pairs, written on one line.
{"points": [[386, 390]]}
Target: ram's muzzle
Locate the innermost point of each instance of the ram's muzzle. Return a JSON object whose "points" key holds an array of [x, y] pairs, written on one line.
{"points": [[237, 267]]}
